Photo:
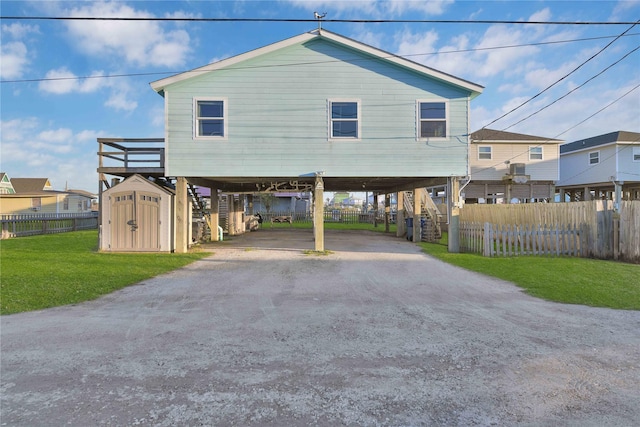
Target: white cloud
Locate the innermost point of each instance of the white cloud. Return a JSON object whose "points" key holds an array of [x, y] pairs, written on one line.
{"points": [[14, 60], [15, 55], [19, 31], [377, 9], [62, 81], [29, 150], [119, 100], [140, 43]]}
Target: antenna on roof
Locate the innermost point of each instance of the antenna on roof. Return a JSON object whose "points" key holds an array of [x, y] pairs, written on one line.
{"points": [[319, 18]]}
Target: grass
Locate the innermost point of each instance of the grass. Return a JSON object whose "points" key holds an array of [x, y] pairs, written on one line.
{"points": [[53, 270], [59, 269], [591, 282]]}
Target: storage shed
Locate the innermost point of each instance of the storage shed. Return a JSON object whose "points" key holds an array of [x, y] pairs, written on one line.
{"points": [[138, 216]]}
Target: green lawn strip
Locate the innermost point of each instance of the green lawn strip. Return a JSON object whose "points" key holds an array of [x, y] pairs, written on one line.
{"points": [[58, 269], [569, 280]]}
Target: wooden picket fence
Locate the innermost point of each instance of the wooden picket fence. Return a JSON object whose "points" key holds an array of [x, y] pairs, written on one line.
{"points": [[593, 229], [513, 240], [30, 225]]}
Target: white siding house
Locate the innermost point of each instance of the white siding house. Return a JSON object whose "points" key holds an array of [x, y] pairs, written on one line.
{"points": [[598, 167]]}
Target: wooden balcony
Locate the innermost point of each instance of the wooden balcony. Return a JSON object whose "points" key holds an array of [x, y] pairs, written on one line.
{"points": [[123, 157]]}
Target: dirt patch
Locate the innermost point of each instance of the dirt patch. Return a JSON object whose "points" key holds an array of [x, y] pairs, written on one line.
{"points": [[374, 333]]}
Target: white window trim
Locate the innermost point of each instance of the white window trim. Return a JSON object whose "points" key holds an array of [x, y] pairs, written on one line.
{"points": [[446, 118], [225, 118], [635, 152], [541, 153], [589, 158], [330, 136], [490, 152]]}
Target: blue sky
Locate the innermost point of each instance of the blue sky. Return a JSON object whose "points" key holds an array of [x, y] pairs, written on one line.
{"points": [[49, 127]]}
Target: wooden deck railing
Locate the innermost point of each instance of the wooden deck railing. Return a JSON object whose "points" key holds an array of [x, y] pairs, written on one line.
{"points": [[126, 156]]}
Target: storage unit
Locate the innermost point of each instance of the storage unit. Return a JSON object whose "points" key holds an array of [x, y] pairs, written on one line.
{"points": [[137, 216]]}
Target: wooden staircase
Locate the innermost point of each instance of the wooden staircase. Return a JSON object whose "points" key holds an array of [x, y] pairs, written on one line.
{"points": [[429, 214]]}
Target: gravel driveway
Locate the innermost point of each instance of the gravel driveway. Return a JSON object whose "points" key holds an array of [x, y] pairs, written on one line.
{"points": [[376, 333]]}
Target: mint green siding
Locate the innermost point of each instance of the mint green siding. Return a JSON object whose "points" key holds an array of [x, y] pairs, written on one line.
{"points": [[277, 118]]}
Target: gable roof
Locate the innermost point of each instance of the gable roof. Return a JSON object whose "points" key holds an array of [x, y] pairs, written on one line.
{"points": [[499, 136], [139, 178], [475, 89], [608, 138], [30, 185]]}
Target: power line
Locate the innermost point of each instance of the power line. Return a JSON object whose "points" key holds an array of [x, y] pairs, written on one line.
{"points": [[352, 21], [563, 132], [573, 90], [157, 73], [559, 80]]}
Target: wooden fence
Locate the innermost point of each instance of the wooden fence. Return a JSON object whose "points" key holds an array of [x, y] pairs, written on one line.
{"points": [[346, 217], [30, 225], [512, 240], [591, 229]]}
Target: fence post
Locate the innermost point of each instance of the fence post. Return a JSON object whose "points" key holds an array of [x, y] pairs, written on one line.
{"points": [[486, 235], [616, 235]]}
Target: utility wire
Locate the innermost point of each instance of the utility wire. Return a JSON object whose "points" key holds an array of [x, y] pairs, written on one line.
{"points": [[354, 21], [572, 90], [561, 79], [562, 133], [44, 79]]}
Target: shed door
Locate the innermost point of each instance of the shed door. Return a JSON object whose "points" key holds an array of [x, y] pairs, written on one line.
{"points": [[135, 221]]}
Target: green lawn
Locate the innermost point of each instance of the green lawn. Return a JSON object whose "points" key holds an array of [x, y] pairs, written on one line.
{"points": [[52, 270], [583, 281], [58, 269]]}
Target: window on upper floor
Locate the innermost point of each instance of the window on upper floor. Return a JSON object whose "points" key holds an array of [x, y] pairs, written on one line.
{"points": [[65, 203], [433, 119], [535, 153], [636, 154], [484, 152], [594, 157], [344, 119], [210, 118]]}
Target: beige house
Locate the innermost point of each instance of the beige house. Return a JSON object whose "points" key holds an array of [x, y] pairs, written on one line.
{"points": [[507, 167], [36, 196]]}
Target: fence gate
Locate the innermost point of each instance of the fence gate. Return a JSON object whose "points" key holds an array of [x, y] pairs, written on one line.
{"points": [[135, 221]]}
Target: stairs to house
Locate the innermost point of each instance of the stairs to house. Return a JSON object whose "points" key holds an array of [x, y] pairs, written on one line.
{"points": [[429, 214]]}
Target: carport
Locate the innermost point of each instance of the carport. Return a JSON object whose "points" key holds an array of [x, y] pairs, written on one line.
{"points": [[124, 157]]}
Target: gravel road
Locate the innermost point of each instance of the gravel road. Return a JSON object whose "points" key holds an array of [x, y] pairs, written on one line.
{"points": [[374, 334]]}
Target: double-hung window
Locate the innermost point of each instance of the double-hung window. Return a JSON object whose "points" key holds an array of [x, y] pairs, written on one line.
{"points": [[210, 118], [344, 119], [484, 152], [535, 153], [636, 154], [594, 157], [433, 119]]}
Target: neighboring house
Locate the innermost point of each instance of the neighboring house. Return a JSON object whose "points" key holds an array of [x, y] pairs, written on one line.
{"points": [[601, 166], [507, 167], [282, 203], [316, 112], [5, 184], [36, 196]]}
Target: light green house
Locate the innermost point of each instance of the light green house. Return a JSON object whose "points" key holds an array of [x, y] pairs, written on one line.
{"points": [[318, 111]]}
